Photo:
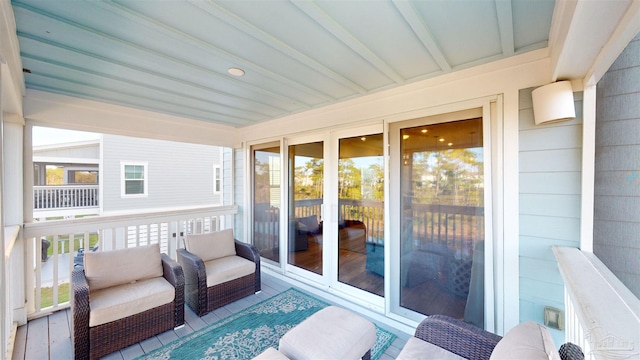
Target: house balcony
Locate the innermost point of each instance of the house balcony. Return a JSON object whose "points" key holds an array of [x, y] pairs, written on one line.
{"points": [[65, 200]]}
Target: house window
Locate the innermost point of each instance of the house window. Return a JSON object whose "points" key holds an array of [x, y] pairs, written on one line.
{"points": [[134, 179], [217, 179]]}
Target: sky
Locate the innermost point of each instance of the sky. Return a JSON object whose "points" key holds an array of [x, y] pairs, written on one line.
{"points": [[49, 136]]}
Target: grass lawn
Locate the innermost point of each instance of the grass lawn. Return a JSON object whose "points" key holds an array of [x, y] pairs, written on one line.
{"points": [[46, 295], [77, 242]]}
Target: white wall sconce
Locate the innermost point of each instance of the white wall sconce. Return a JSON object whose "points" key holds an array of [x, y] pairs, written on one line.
{"points": [[553, 102]]}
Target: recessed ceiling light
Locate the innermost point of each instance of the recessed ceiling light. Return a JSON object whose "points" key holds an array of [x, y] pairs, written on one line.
{"points": [[363, 138], [450, 144], [236, 72], [405, 137], [424, 131], [441, 139]]}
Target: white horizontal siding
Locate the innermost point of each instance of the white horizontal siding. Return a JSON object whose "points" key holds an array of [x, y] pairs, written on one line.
{"points": [[179, 174], [550, 187], [540, 248], [557, 205], [551, 227], [546, 161], [89, 151], [560, 183]]}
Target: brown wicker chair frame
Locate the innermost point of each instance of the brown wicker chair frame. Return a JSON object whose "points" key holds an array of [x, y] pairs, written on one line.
{"points": [[202, 299], [470, 341], [97, 341]]}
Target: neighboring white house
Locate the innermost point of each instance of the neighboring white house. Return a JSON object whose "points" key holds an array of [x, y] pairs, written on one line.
{"points": [[115, 174]]}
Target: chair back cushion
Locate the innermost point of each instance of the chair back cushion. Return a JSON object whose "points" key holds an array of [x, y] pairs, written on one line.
{"points": [[211, 246], [527, 340], [311, 223], [105, 269]]}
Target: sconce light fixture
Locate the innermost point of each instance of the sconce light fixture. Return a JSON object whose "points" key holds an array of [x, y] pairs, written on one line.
{"points": [[553, 102]]}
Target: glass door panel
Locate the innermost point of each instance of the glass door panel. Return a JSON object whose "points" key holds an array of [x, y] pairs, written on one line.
{"points": [[361, 213], [442, 219], [266, 200], [306, 182]]}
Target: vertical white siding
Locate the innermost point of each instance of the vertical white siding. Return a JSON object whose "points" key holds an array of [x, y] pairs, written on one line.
{"points": [[550, 187], [179, 174]]}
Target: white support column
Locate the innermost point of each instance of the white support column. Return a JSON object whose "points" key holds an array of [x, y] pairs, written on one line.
{"points": [[511, 209], [12, 205], [27, 192], [5, 322], [588, 167]]}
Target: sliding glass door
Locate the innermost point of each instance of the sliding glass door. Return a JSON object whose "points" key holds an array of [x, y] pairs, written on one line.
{"points": [[266, 200], [306, 199], [441, 218], [360, 225]]}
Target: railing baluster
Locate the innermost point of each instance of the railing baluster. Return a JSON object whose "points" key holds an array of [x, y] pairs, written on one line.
{"points": [[54, 279], [65, 196]]}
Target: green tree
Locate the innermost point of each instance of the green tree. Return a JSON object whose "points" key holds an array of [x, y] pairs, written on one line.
{"points": [[451, 176], [349, 180], [55, 176]]}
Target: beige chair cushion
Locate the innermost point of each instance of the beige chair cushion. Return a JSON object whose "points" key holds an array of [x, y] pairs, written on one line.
{"points": [[528, 340], [210, 246], [417, 349], [118, 302], [104, 269], [228, 268]]}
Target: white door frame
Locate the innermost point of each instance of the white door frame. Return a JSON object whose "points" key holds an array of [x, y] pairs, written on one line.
{"points": [[492, 138]]}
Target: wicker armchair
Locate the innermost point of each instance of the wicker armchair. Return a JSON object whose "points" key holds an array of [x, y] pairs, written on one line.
{"points": [[457, 336], [471, 342], [93, 342], [206, 275]]}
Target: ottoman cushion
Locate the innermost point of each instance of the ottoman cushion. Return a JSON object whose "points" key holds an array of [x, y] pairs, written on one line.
{"points": [[271, 354], [331, 333]]}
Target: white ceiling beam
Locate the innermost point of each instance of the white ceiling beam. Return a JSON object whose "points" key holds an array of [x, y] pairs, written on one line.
{"points": [[231, 19], [73, 113], [580, 30], [322, 18], [415, 21], [627, 29], [505, 24]]}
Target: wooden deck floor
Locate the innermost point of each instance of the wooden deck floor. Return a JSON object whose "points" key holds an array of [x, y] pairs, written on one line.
{"points": [[50, 337]]}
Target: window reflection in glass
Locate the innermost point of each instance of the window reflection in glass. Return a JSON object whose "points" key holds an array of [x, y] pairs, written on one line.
{"points": [[442, 219]]}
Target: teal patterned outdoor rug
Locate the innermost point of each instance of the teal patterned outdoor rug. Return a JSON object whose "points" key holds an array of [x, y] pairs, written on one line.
{"points": [[248, 333]]}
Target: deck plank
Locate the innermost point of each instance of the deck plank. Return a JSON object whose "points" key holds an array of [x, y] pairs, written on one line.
{"points": [[60, 335], [37, 339]]}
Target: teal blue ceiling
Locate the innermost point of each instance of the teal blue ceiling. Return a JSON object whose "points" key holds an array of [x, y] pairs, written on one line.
{"points": [[173, 56]]}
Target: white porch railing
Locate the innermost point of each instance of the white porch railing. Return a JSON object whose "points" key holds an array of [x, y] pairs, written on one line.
{"points": [[65, 196], [601, 315], [48, 285]]}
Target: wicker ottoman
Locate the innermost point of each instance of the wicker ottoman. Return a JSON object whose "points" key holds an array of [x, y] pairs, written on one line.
{"points": [[331, 333]]}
